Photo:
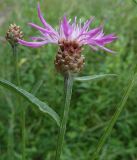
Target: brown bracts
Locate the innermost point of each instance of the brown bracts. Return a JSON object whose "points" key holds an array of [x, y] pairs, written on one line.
{"points": [[13, 34], [69, 58]]}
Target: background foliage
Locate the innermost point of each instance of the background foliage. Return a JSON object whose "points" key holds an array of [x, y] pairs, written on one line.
{"points": [[93, 103]]}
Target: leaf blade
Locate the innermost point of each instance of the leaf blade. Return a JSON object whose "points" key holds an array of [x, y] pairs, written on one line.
{"points": [[31, 99], [114, 118], [93, 77]]}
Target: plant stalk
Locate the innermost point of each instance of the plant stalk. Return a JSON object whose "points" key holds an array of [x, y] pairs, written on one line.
{"points": [[68, 85], [15, 54], [114, 118], [11, 134]]}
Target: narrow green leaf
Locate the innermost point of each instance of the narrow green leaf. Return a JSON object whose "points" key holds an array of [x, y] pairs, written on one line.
{"points": [[32, 99], [114, 118], [93, 77]]}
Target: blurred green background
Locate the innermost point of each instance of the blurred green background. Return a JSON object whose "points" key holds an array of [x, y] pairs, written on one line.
{"points": [[93, 103]]}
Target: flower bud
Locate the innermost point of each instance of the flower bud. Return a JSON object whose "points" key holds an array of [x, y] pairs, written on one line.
{"points": [[13, 34]]}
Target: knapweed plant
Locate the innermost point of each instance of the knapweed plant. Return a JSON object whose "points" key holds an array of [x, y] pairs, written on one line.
{"points": [[71, 36]]}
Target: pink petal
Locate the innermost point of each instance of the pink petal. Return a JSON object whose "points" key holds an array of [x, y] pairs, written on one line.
{"points": [[95, 31], [44, 21], [41, 17], [65, 26], [106, 49], [106, 39], [93, 43], [109, 38], [32, 44], [39, 28], [85, 27], [37, 38], [100, 34]]}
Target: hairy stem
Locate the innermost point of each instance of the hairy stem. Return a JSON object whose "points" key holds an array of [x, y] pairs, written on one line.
{"points": [[114, 118], [15, 54], [68, 84]]}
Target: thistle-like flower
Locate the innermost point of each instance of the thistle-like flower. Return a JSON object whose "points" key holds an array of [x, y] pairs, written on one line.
{"points": [[70, 37], [13, 34]]}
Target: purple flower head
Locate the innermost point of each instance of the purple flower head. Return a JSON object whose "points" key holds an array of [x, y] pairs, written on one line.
{"points": [[70, 37], [69, 31]]}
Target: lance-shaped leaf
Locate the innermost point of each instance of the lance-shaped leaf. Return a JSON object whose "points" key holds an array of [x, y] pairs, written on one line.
{"points": [[32, 99], [93, 77], [114, 118]]}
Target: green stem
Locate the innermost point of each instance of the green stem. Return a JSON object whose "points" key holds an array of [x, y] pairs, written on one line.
{"points": [[68, 84], [15, 54], [12, 118], [23, 134], [114, 118], [11, 134]]}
